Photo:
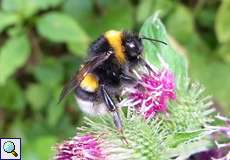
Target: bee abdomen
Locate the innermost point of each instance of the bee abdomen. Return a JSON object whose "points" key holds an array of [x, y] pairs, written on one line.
{"points": [[92, 108], [90, 83]]}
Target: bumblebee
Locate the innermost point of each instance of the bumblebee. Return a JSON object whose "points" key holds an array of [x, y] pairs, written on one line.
{"points": [[108, 69]]}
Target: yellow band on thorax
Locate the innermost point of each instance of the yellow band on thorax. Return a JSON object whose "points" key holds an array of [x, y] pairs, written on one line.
{"points": [[115, 40], [89, 83]]}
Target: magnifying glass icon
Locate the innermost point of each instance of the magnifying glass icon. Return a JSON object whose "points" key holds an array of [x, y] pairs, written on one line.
{"points": [[9, 147]]}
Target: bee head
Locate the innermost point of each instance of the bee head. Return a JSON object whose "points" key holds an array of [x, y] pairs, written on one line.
{"points": [[133, 46]]}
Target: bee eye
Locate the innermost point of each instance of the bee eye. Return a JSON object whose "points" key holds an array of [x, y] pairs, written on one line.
{"points": [[131, 44]]}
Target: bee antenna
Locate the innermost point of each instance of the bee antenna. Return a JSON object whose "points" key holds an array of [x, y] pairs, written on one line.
{"points": [[153, 40]]}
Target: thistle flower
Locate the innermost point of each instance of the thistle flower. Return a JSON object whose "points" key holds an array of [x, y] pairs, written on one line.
{"points": [[152, 92], [80, 147]]}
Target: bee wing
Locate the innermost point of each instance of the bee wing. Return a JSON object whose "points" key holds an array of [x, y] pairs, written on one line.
{"points": [[91, 64]]}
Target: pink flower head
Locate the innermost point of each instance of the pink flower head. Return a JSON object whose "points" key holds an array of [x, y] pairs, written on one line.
{"points": [[153, 91], [80, 147]]}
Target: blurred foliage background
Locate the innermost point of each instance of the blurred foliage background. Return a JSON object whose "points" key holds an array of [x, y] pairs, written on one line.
{"points": [[43, 42]]}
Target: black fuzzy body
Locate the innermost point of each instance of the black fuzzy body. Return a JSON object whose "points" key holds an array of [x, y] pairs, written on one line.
{"points": [[109, 71]]}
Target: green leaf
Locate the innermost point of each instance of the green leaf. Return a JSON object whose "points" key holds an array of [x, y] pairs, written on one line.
{"points": [[206, 17], [224, 52], [181, 15], [37, 96], [71, 64], [55, 111], [12, 5], [182, 137], [223, 22], [213, 74], [153, 28], [24, 8], [186, 34], [39, 148], [12, 97], [79, 49], [165, 7], [106, 15], [48, 3], [13, 55], [15, 30], [27, 8], [7, 19], [17, 129], [144, 9], [59, 27], [50, 73], [148, 7], [45, 146]]}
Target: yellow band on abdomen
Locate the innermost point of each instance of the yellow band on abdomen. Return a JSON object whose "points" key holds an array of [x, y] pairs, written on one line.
{"points": [[90, 83], [115, 40]]}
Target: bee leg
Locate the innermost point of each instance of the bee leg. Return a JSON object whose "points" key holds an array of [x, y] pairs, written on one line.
{"points": [[114, 110], [128, 79], [111, 107]]}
